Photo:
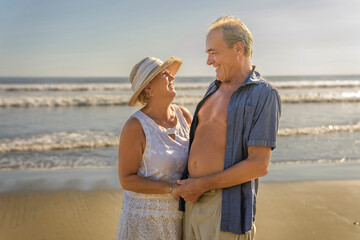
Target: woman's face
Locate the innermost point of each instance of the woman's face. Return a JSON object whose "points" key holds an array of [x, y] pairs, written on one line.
{"points": [[163, 85]]}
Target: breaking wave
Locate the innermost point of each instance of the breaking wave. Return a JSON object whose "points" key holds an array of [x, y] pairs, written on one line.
{"points": [[63, 87], [101, 139], [63, 101], [353, 96], [59, 160], [69, 160], [81, 101], [319, 130], [315, 161], [316, 84], [111, 100], [179, 86], [59, 141], [86, 87]]}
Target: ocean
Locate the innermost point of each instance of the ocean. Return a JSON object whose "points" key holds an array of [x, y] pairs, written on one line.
{"points": [[75, 123]]}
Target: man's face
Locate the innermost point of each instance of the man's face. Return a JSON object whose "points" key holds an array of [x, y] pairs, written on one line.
{"points": [[222, 58]]}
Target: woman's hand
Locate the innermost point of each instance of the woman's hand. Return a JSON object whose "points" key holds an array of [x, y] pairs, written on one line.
{"points": [[174, 192]]}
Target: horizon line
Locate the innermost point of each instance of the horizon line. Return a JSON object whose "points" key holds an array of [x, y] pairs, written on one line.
{"points": [[187, 76]]}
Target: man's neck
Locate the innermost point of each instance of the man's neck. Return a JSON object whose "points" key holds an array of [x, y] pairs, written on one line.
{"points": [[239, 77]]}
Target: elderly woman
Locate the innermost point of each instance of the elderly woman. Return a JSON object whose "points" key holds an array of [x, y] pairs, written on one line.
{"points": [[152, 154]]}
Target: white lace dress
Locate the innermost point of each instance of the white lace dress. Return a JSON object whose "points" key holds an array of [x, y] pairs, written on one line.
{"points": [[156, 216]]}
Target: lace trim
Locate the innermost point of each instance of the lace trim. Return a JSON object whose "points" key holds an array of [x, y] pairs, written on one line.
{"points": [[132, 226], [150, 204]]}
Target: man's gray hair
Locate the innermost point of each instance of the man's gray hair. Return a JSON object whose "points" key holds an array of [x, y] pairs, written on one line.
{"points": [[234, 31]]}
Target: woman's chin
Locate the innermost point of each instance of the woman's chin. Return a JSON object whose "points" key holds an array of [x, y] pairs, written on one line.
{"points": [[172, 91], [173, 95]]}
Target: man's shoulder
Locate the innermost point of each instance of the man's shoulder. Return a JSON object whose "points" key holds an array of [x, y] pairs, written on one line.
{"points": [[261, 92], [263, 82], [263, 86]]}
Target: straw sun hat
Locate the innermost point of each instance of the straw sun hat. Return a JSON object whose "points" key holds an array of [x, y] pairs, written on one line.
{"points": [[145, 71]]}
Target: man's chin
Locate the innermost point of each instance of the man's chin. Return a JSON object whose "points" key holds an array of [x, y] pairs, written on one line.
{"points": [[220, 79]]}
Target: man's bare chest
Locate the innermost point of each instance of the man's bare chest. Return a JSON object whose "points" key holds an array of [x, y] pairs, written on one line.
{"points": [[215, 108]]}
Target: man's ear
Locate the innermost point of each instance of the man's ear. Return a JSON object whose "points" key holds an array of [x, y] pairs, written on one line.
{"points": [[239, 47]]}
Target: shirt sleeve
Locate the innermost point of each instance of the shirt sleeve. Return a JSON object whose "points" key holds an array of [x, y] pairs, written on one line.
{"points": [[266, 120]]}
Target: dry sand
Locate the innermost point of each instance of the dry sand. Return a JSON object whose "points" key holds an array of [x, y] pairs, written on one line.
{"points": [[289, 211]]}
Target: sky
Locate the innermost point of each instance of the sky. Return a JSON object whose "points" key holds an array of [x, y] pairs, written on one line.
{"points": [[88, 38]]}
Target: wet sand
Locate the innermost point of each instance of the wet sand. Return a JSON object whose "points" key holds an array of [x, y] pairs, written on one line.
{"points": [[286, 210]]}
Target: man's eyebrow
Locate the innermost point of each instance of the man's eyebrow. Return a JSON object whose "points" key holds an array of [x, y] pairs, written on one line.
{"points": [[209, 50]]}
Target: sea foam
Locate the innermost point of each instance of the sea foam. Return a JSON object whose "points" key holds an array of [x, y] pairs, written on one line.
{"points": [[100, 139], [59, 141], [178, 85], [319, 130], [182, 99]]}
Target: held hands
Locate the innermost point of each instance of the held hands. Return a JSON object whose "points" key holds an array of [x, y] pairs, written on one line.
{"points": [[189, 189], [175, 192]]}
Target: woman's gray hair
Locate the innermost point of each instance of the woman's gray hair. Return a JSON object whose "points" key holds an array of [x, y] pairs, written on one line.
{"points": [[234, 31]]}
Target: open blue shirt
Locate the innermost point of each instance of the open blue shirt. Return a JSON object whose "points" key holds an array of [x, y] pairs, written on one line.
{"points": [[252, 120]]}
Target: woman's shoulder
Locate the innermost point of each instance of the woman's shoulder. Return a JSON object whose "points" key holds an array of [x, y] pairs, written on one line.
{"points": [[132, 127]]}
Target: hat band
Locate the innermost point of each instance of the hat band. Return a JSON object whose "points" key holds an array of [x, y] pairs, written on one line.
{"points": [[144, 70]]}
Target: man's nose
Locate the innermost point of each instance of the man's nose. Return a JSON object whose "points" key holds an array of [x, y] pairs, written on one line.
{"points": [[209, 60]]}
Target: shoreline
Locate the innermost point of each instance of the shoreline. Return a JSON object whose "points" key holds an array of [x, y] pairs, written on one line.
{"points": [[107, 178]]}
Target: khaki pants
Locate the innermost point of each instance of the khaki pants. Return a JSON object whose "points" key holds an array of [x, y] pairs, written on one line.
{"points": [[202, 220]]}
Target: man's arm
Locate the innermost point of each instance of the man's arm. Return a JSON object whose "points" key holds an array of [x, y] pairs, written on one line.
{"points": [[255, 166]]}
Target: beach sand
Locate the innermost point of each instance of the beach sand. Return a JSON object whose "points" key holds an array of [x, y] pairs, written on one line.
{"points": [[308, 210], [286, 210]]}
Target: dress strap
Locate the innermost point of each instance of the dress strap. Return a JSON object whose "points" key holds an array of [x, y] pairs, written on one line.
{"points": [[180, 117], [142, 118]]}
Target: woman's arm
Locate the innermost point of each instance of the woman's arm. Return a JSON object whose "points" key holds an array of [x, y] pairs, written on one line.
{"points": [[131, 148]]}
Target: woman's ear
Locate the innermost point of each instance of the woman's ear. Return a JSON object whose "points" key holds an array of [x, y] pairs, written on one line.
{"points": [[148, 90]]}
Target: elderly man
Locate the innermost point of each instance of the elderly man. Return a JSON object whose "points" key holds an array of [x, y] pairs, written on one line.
{"points": [[232, 135]]}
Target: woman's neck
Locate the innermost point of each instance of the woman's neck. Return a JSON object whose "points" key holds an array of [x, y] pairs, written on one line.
{"points": [[159, 111]]}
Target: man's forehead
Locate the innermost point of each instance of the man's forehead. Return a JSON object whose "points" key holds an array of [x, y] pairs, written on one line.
{"points": [[216, 33], [213, 39]]}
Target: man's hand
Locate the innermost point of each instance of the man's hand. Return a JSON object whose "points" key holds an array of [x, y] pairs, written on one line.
{"points": [[190, 189]]}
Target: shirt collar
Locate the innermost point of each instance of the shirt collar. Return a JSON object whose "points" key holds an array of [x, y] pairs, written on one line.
{"points": [[253, 78]]}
